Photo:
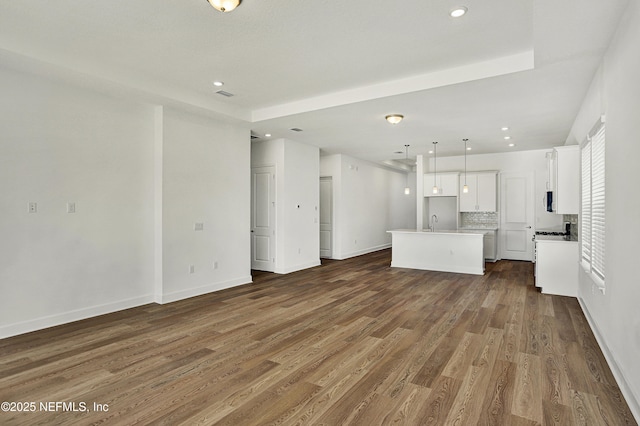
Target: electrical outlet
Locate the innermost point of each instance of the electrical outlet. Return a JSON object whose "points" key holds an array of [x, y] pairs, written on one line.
{"points": [[192, 269], [33, 207], [71, 207]]}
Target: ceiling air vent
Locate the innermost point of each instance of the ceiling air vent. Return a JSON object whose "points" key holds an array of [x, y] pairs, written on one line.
{"points": [[254, 136], [223, 93], [295, 129]]}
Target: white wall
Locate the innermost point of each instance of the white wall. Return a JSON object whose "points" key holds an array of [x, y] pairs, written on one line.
{"points": [[519, 161], [615, 92], [368, 201], [297, 201], [114, 159], [206, 179], [63, 144]]}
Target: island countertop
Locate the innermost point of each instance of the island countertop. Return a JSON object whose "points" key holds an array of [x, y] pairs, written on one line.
{"points": [[444, 231]]}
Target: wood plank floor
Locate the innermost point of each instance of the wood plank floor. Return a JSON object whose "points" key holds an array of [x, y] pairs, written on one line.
{"points": [[348, 342]]}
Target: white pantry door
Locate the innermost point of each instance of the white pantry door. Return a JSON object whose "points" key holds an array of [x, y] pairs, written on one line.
{"points": [[263, 218], [326, 216], [516, 220]]}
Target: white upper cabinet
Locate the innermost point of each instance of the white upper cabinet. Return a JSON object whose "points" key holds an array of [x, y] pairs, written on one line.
{"points": [[566, 182], [447, 184], [482, 192]]}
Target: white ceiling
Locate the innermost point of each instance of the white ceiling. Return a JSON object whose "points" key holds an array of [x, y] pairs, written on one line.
{"points": [[334, 68]]}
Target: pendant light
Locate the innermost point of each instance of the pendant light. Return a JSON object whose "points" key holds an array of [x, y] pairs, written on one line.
{"points": [[465, 188], [435, 157], [407, 190], [224, 5]]}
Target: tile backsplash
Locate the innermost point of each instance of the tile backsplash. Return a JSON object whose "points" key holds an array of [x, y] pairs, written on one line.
{"points": [[479, 219]]}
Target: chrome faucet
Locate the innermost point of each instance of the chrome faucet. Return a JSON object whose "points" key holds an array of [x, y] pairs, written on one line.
{"points": [[434, 220]]}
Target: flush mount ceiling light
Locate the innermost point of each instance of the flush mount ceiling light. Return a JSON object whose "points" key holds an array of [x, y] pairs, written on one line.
{"points": [[504, 129], [218, 83], [458, 11], [507, 138], [224, 5], [267, 135], [394, 118], [511, 145]]}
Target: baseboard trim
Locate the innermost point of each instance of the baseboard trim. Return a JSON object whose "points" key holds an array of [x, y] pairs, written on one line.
{"points": [[632, 400], [209, 288], [72, 316], [298, 267], [363, 251]]}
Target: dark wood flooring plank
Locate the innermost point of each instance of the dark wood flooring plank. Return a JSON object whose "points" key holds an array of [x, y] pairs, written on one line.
{"points": [[350, 341]]}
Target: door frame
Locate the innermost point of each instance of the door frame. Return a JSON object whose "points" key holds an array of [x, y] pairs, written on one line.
{"points": [[528, 226], [332, 231], [273, 221]]}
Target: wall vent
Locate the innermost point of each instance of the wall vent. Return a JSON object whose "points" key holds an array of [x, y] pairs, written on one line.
{"points": [[295, 129], [223, 93]]}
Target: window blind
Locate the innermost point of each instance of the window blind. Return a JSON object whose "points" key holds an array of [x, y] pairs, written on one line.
{"points": [[585, 220], [592, 223], [597, 203]]}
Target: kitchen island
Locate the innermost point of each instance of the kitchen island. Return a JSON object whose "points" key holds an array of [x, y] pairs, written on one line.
{"points": [[447, 251]]}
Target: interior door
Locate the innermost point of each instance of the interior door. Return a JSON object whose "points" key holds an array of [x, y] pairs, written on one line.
{"points": [[263, 218], [516, 223], [326, 217]]}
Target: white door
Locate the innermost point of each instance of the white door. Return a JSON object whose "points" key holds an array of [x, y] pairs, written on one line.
{"points": [[516, 224], [326, 216], [263, 218]]}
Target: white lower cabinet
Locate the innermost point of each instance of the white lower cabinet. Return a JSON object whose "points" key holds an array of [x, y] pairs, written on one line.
{"points": [[489, 243], [556, 267]]}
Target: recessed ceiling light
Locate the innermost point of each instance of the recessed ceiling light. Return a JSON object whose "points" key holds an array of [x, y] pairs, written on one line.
{"points": [[394, 118], [468, 148], [458, 12], [430, 152], [218, 83], [512, 144], [507, 138], [267, 135], [504, 129]]}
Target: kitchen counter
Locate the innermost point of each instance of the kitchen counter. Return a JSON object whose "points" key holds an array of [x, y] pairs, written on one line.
{"points": [[447, 250], [557, 238]]}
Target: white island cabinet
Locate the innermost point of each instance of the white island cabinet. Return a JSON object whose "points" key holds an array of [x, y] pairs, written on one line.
{"points": [[447, 251]]}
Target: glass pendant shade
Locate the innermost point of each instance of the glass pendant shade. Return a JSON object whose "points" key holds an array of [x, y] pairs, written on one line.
{"points": [[465, 189], [407, 190], [435, 189], [224, 5]]}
